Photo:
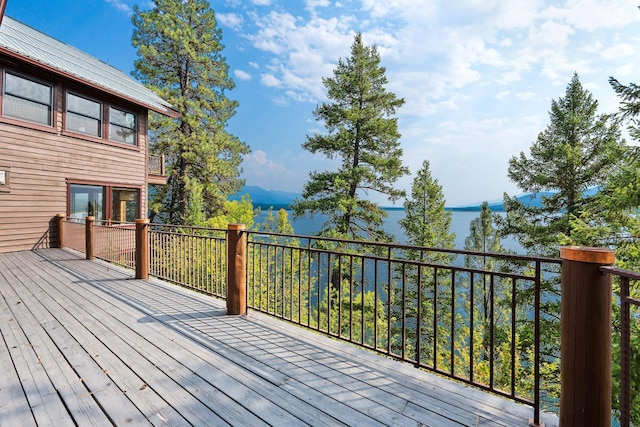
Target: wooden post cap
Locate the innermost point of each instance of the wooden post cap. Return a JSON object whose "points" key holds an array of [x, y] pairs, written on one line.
{"points": [[142, 221], [588, 255], [236, 227]]}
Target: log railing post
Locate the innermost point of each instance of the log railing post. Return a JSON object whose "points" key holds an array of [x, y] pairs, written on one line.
{"points": [[236, 270], [142, 249], [89, 239], [585, 379], [60, 223]]}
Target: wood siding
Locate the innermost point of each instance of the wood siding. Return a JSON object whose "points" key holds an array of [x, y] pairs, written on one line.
{"points": [[43, 163]]}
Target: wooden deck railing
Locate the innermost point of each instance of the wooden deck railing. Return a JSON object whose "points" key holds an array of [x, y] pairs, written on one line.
{"points": [[156, 165], [484, 319]]}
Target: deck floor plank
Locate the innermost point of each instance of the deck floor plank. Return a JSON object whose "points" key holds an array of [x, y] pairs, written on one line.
{"points": [[304, 412], [307, 396], [77, 399], [86, 361], [135, 376], [161, 349]]}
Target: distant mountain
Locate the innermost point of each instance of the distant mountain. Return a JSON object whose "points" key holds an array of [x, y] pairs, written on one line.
{"points": [[527, 199], [498, 205], [265, 199]]}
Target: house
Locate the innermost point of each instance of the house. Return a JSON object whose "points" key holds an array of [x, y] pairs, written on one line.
{"points": [[73, 138]]}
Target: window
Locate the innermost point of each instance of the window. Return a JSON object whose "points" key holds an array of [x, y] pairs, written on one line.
{"points": [[122, 126], [124, 204], [105, 203], [86, 200], [27, 99], [4, 179], [83, 115]]}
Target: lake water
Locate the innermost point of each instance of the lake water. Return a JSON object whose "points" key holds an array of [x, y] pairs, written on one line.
{"points": [[459, 225]]}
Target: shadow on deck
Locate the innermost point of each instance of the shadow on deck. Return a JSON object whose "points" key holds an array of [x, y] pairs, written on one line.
{"points": [[84, 344]]}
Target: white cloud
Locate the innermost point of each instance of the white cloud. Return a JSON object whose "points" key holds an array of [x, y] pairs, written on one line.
{"points": [[621, 50], [258, 169], [231, 20], [261, 2], [591, 15], [311, 5], [242, 75], [304, 51], [253, 64], [270, 80], [502, 96], [121, 6], [526, 96]]}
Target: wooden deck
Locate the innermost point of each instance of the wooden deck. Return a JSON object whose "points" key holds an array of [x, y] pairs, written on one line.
{"points": [[84, 344]]}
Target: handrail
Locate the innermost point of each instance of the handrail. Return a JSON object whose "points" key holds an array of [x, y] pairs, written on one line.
{"points": [[626, 301], [410, 302]]}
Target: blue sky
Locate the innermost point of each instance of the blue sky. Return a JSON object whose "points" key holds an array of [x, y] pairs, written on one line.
{"points": [[478, 76]]}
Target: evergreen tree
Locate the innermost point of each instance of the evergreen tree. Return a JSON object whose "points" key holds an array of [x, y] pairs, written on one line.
{"points": [[180, 57], [577, 151], [363, 134], [483, 236], [426, 222], [614, 219]]}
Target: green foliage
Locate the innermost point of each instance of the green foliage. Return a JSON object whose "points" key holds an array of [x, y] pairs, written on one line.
{"points": [[278, 223], [577, 151], [234, 212], [415, 299], [364, 136], [483, 236], [426, 222], [180, 57]]}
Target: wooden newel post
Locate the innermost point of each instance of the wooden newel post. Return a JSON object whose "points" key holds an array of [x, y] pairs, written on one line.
{"points": [[236, 269], [60, 224], [585, 398], [90, 220], [142, 249]]}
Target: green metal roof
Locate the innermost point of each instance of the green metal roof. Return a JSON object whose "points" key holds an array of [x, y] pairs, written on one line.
{"points": [[23, 42]]}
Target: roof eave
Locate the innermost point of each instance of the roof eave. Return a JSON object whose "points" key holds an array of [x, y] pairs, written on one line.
{"points": [[164, 111]]}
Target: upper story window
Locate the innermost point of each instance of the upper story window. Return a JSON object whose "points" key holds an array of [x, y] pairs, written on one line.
{"points": [[83, 115], [27, 99], [122, 126]]}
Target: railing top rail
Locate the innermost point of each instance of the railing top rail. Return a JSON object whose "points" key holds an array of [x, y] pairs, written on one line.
{"points": [[633, 275], [515, 257], [156, 225], [103, 223]]}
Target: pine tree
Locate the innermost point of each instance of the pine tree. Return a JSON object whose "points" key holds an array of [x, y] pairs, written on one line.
{"points": [[179, 50], [577, 151], [427, 223], [614, 219], [362, 133]]}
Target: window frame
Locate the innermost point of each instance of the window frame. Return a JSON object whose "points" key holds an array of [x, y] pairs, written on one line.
{"points": [[5, 183], [66, 112], [109, 123], [5, 94], [107, 202]]}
